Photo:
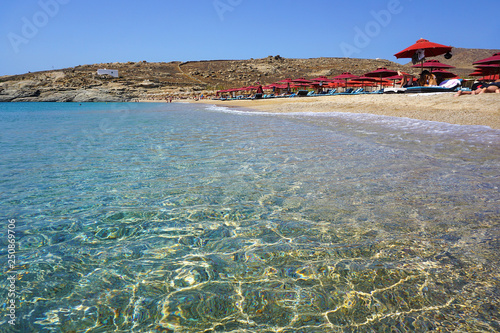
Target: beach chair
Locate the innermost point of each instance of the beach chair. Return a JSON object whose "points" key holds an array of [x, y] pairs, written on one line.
{"points": [[347, 92], [311, 93], [452, 85], [430, 89], [326, 93]]}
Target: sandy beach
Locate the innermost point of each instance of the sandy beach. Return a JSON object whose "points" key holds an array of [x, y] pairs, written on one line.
{"points": [[464, 110]]}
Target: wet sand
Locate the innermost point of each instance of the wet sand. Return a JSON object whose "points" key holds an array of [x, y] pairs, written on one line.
{"points": [[443, 107]]}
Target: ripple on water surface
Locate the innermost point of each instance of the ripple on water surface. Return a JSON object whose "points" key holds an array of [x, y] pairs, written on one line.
{"points": [[168, 218]]}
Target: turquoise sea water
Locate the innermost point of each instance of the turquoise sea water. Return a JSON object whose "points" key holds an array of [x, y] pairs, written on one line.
{"points": [[187, 218]]}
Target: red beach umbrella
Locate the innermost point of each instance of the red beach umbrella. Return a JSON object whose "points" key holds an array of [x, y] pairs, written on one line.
{"points": [[433, 63], [301, 82], [365, 81], [430, 49], [486, 75], [345, 76], [381, 73], [489, 67], [444, 74], [320, 81], [477, 73], [386, 83], [334, 83], [287, 81], [364, 78], [422, 49], [494, 59]]}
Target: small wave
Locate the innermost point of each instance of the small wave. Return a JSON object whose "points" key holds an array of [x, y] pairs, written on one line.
{"points": [[225, 109]]}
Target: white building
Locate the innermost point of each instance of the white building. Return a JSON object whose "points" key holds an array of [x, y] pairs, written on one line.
{"points": [[112, 72]]}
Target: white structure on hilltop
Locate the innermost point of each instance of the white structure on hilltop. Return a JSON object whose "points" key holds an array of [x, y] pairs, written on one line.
{"points": [[112, 72]]}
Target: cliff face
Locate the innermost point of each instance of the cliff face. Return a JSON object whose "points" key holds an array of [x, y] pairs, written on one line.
{"points": [[140, 80]]}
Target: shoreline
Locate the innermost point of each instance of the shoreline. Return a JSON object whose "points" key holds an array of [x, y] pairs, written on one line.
{"points": [[483, 110]]}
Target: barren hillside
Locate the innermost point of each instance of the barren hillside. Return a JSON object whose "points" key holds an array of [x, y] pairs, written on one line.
{"points": [[144, 79]]}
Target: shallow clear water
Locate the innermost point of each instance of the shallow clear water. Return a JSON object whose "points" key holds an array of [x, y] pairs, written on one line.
{"points": [[183, 218]]}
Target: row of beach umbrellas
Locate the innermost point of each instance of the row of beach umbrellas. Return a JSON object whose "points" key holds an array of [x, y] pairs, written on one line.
{"points": [[489, 68], [418, 52]]}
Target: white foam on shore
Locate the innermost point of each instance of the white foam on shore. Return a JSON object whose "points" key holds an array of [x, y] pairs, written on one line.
{"points": [[225, 109], [477, 133]]}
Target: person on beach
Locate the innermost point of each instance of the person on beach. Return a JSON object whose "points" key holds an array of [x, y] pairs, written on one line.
{"points": [[407, 80], [487, 88], [427, 79]]}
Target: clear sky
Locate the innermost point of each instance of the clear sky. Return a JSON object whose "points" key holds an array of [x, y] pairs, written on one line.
{"points": [[51, 34]]}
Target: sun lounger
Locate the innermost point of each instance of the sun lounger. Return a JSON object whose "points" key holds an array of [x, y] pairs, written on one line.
{"points": [[330, 92], [302, 93], [429, 89], [445, 86], [350, 91], [323, 93], [347, 92]]}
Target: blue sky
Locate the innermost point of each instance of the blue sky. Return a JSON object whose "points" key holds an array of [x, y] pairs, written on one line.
{"points": [[45, 34]]}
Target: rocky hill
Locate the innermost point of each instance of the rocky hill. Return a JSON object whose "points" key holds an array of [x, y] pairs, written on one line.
{"points": [[143, 80]]}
